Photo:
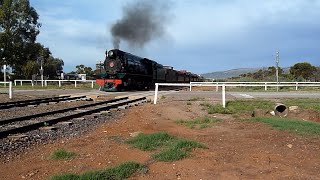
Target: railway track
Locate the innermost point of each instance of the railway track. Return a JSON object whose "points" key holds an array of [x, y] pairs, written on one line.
{"points": [[38, 101], [31, 122]]}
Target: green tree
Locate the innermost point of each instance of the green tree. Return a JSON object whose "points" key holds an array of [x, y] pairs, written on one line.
{"points": [[19, 28], [82, 69], [53, 67], [303, 70], [29, 69], [317, 74], [88, 71]]}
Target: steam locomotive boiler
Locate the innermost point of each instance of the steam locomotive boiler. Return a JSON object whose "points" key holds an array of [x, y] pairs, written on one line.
{"points": [[125, 71]]}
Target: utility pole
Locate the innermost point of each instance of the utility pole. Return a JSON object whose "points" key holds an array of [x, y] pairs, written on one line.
{"points": [[277, 69], [4, 74], [4, 67], [41, 68], [41, 72]]}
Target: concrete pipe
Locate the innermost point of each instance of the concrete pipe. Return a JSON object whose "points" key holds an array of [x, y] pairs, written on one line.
{"points": [[281, 110]]}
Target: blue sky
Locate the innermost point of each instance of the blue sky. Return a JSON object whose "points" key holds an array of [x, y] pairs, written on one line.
{"points": [[202, 36]]}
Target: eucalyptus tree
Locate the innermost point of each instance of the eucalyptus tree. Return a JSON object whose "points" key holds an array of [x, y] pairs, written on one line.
{"points": [[19, 28], [82, 69], [303, 70], [53, 67]]}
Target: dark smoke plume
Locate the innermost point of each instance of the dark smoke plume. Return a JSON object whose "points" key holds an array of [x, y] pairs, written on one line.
{"points": [[142, 21]]}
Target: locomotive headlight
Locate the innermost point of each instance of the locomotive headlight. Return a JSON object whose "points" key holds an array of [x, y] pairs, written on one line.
{"points": [[110, 53]]}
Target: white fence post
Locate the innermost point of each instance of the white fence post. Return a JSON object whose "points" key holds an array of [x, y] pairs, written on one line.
{"points": [[92, 84], [217, 87], [296, 86], [15, 82], [156, 94], [59, 83], [265, 87], [10, 90], [224, 96], [21, 83], [75, 83], [190, 86]]}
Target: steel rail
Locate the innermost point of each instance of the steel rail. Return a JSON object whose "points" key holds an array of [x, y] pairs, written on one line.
{"points": [[37, 101], [31, 100], [27, 117]]}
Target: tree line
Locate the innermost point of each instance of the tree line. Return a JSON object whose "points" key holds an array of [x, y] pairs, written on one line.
{"points": [[303, 71], [19, 28]]}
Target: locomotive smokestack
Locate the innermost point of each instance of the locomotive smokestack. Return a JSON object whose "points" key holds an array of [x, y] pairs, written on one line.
{"points": [[142, 21]]}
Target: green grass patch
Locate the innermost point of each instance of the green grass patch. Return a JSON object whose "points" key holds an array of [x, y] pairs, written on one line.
{"points": [[178, 150], [151, 141], [212, 109], [122, 171], [171, 154], [169, 147], [238, 106], [296, 126], [201, 123], [305, 103], [62, 154]]}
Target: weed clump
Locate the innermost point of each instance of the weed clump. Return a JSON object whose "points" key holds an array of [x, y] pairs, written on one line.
{"points": [[171, 148], [122, 171], [62, 154]]}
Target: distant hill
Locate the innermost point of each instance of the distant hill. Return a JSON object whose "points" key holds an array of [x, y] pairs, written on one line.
{"points": [[230, 73]]}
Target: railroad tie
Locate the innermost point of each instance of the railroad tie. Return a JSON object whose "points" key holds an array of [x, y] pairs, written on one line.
{"points": [[113, 103], [132, 104], [80, 110], [93, 116], [65, 123], [48, 128], [15, 137], [43, 104], [123, 107], [101, 106], [85, 99], [105, 112]]}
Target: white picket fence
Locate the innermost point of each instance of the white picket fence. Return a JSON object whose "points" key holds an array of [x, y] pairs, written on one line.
{"points": [[223, 86], [60, 82], [265, 84], [9, 88]]}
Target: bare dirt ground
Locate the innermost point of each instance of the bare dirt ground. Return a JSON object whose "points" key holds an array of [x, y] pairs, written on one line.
{"points": [[237, 149]]}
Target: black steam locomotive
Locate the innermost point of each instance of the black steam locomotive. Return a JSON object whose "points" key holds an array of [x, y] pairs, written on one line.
{"points": [[125, 71]]}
